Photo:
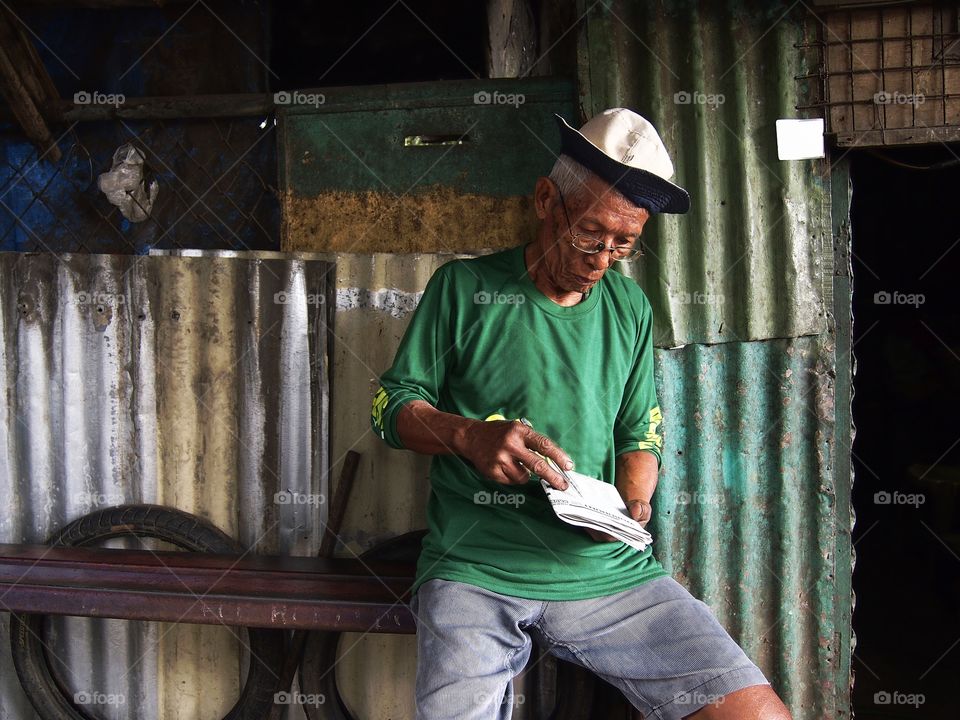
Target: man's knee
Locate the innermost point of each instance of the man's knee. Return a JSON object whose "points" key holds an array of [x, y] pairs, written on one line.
{"points": [[758, 702]]}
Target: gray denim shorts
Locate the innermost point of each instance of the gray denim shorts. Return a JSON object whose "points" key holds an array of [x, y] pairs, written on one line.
{"points": [[663, 648]]}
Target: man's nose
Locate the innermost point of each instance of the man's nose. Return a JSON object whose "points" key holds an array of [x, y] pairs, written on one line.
{"points": [[600, 261]]}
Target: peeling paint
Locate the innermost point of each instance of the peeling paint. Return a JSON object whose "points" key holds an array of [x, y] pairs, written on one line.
{"points": [[395, 303]]}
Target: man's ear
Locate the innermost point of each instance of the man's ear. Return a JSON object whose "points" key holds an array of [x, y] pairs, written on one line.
{"points": [[543, 195]]}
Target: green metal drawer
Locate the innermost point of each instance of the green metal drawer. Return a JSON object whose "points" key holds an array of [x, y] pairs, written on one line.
{"points": [[417, 167]]}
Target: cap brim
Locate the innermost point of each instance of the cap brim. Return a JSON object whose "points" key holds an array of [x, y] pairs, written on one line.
{"points": [[641, 187]]}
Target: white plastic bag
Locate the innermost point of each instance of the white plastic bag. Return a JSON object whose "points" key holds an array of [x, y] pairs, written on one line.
{"points": [[124, 187]]}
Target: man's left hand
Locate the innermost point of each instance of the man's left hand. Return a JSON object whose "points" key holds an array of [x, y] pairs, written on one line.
{"points": [[636, 482], [639, 510]]}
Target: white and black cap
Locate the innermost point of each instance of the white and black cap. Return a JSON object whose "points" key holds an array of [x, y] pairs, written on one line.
{"points": [[624, 149]]}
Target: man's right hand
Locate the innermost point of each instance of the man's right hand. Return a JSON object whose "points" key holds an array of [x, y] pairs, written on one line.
{"points": [[506, 452], [495, 447]]}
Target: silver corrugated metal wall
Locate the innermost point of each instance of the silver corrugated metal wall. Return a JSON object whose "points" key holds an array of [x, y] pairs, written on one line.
{"points": [[195, 382]]}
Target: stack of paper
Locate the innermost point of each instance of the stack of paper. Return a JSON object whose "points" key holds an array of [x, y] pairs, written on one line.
{"points": [[592, 503]]}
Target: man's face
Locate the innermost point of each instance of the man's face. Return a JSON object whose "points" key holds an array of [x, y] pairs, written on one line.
{"points": [[596, 211]]}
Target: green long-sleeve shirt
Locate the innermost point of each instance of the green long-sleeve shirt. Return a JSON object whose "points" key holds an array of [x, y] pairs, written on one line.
{"points": [[484, 341]]}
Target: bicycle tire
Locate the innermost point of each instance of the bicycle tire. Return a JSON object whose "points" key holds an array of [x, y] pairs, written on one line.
{"points": [[50, 699]]}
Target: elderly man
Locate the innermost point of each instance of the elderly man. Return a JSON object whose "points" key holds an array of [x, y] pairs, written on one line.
{"points": [[544, 332]]}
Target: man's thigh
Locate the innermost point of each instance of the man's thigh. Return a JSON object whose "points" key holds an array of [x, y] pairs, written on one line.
{"points": [[661, 646], [470, 645]]}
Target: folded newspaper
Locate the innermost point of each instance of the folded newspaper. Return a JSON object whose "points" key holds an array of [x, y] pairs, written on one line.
{"points": [[592, 503]]}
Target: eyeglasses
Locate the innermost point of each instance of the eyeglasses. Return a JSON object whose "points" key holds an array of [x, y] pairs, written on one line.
{"points": [[590, 243]]}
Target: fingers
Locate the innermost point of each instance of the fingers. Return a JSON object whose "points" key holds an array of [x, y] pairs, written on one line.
{"points": [[640, 510], [541, 468], [545, 446], [507, 453]]}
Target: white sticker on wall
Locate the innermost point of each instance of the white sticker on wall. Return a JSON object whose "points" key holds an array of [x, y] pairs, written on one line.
{"points": [[800, 139]]}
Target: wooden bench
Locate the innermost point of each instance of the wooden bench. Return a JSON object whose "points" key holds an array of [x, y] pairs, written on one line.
{"points": [[250, 591], [212, 589]]}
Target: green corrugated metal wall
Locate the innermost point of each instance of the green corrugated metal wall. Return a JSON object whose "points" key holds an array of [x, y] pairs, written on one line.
{"points": [[754, 496], [745, 262]]}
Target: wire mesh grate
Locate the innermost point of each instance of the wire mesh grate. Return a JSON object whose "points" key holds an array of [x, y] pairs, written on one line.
{"points": [[888, 75], [216, 188]]}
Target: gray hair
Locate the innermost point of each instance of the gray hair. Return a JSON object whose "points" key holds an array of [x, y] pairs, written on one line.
{"points": [[572, 177]]}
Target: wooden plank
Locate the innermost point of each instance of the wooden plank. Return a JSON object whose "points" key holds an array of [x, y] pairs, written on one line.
{"points": [[256, 591], [867, 56], [837, 58], [927, 76], [903, 136], [511, 38], [319, 614], [25, 91], [897, 110], [32, 70]]}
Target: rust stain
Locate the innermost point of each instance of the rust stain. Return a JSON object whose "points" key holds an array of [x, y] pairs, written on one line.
{"points": [[436, 220]]}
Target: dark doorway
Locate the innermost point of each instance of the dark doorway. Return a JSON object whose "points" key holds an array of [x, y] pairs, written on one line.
{"points": [[906, 245]]}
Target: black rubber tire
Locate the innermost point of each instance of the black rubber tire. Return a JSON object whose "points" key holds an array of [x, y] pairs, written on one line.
{"points": [[574, 684], [186, 531]]}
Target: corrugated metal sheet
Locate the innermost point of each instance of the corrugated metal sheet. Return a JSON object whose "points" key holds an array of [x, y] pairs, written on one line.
{"points": [[745, 511], [753, 260], [745, 263], [196, 382]]}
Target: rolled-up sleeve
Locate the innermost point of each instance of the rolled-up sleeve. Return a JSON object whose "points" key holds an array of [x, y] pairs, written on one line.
{"points": [[420, 365]]}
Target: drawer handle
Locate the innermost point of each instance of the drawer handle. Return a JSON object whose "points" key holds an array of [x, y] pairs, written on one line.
{"points": [[435, 140]]}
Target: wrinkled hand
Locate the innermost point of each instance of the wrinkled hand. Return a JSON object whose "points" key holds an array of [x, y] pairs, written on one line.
{"points": [[506, 452], [639, 510]]}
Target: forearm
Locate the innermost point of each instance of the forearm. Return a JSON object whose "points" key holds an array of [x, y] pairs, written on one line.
{"points": [[637, 476], [424, 429]]}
